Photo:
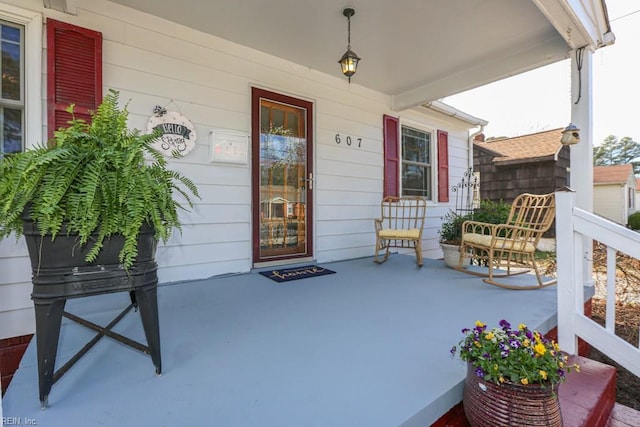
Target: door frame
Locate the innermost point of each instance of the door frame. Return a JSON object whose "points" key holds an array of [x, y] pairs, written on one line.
{"points": [[256, 95]]}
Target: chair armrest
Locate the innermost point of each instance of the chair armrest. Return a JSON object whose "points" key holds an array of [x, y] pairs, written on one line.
{"points": [[503, 231], [377, 222]]}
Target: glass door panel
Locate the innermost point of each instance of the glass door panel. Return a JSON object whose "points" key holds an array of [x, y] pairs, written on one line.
{"points": [[284, 182]]}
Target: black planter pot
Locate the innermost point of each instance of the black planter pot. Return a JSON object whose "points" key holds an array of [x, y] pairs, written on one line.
{"points": [[66, 252], [60, 272]]}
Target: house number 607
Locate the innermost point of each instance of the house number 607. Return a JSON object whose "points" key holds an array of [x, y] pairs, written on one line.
{"points": [[348, 140]]}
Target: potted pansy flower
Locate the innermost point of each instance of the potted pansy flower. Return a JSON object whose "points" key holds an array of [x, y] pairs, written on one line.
{"points": [[512, 375]]}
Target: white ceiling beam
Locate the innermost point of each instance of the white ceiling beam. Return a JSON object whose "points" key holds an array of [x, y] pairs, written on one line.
{"points": [[66, 6], [580, 23], [487, 72]]}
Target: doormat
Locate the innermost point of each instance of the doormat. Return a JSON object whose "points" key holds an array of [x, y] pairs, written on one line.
{"points": [[288, 274]]}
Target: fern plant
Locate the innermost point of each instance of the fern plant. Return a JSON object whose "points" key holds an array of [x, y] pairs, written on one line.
{"points": [[96, 181]]}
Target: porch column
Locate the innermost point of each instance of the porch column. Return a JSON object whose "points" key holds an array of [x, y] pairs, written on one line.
{"points": [[581, 174]]}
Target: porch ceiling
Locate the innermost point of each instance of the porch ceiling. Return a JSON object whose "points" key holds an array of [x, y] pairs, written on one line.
{"points": [[414, 50]]}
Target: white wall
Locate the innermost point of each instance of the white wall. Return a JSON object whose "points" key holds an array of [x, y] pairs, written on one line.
{"points": [[609, 201], [207, 79]]}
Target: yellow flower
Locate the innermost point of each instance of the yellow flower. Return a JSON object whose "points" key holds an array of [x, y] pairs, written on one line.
{"points": [[477, 344], [479, 324], [522, 326], [526, 343], [543, 374], [501, 379], [577, 367], [489, 335], [561, 364], [556, 347], [495, 367], [540, 348], [524, 381]]}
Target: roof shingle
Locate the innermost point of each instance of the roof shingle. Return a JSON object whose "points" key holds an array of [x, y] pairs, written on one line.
{"points": [[612, 174], [535, 146]]}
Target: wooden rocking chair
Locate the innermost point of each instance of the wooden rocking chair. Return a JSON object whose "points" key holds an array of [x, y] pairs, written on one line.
{"points": [[400, 226], [510, 246]]}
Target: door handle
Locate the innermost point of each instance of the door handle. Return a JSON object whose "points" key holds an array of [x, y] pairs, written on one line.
{"points": [[308, 180]]}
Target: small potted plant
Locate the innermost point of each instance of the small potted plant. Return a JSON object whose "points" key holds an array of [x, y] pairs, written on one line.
{"points": [[93, 182], [515, 371], [450, 237]]}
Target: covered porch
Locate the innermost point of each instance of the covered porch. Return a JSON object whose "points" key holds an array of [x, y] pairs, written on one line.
{"points": [[367, 346]]}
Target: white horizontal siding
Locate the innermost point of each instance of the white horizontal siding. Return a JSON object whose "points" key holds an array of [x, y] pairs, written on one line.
{"points": [[608, 201], [15, 323], [154, 62]]}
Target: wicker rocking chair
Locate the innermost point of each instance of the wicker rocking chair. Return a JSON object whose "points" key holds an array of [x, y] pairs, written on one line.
{"points": [[510, 246], [400, 226]]}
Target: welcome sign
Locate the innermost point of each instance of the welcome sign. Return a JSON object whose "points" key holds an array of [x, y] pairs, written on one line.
{"points": [[177, 133]]}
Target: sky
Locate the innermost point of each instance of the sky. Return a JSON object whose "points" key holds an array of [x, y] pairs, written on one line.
{"points": [[541, 99]]}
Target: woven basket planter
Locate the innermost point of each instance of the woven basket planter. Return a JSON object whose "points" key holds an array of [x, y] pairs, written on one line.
{"points": [[487, 404]]}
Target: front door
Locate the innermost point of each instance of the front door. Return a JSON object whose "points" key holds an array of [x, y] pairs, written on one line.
{"points": [[282, 177]]}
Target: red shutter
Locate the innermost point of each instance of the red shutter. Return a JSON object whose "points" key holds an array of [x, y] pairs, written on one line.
{"points": [[391, 161], [443, 166], [74, 72]]}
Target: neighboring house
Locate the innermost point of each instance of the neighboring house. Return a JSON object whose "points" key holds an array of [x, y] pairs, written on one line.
{"points": [[253, 73], [637, 193], [614, 192], [536, 163]]}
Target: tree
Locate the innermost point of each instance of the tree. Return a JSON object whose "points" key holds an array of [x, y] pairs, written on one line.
{"points": [[618, 152]]}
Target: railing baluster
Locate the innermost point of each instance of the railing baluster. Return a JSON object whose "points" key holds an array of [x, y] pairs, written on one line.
{"points": [[579, 226], [610, 322]]}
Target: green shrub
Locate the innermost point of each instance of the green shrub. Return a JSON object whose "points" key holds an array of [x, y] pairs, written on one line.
{"points": [[492, 212], [451, 230], [634, 221]]}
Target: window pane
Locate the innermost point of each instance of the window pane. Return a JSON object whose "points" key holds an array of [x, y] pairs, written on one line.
{"points": [[416, 163], [12, 131], [277, 118], [11, 58], [416, 180], [292, 123], [10, 71], [11, 33], [415, 145], [264, 119]]}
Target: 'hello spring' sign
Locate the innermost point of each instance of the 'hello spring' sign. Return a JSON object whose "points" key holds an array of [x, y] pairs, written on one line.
{"points": [[177, 133]]}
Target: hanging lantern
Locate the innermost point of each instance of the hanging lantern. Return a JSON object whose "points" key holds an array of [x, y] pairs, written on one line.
{"points": [[349, 61]]}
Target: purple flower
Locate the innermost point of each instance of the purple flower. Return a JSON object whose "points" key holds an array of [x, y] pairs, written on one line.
{"points": [[453, 350], [479, 373], [486, 356], [503, 346], [504, 354], [505, 325], [560, 372], [465, 330], [529, 334], [514, 343]]}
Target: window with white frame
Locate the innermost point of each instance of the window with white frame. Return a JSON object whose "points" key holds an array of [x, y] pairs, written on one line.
{"points": [[417, 162], [12, 91]]}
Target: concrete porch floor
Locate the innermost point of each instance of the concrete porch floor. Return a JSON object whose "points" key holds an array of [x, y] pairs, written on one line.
{"points": [[368, 346]]}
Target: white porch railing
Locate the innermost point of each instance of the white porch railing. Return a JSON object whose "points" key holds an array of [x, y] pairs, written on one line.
{"points": [[574, 228]]}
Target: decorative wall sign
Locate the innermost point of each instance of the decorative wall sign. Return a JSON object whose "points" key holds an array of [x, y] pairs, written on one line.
{"points": [[178, 133], [229, 146]]}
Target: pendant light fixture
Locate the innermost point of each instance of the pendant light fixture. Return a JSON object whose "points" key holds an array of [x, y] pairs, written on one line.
{"points": [[349, 61]]}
